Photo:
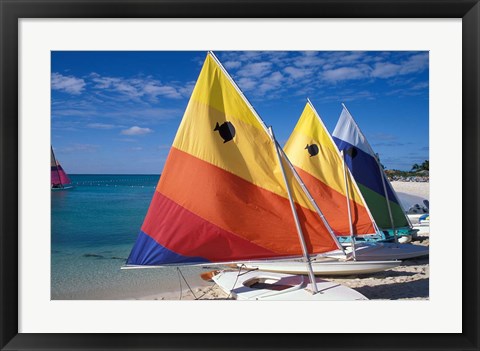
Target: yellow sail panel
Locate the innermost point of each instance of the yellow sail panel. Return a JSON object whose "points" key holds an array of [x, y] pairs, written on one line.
{"points": [[220, 128], [215, 89]]}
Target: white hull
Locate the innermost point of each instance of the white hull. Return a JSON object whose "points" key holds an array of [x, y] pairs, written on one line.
{"points": [[322, 266], [422, 229], [257, 285], [381, 252], [415, 219]]}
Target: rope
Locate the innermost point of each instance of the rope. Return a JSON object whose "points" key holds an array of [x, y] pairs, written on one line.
{"points": [[180, 283], [211, 288], [238, 275], [180, 273]]}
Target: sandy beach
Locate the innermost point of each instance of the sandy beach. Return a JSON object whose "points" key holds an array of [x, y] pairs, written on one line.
{"points": [[409, 281], [417, 189]]}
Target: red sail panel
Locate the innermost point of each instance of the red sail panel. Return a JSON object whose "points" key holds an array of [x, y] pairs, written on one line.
{"points": [[337, 207]]}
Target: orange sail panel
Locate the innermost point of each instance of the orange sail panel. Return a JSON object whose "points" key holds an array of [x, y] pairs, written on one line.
{"points": [[317, 160], [221, 196]]}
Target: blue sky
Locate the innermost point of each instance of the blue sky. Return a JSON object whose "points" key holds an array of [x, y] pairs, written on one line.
{"points": [[118, 112]]}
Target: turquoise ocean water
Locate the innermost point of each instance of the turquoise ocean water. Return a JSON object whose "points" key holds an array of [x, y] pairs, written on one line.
{"points": [[94, 226]]}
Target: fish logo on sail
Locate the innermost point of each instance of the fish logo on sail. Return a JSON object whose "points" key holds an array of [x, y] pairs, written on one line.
{"points": [[226, 130], [351, 151], [312, 149]]}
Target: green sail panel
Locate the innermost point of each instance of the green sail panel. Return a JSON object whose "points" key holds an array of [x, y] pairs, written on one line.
{"points": [[377, 205]]}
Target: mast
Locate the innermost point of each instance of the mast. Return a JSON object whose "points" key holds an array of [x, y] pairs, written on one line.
{"points": [[312, 200], [295, 216], [348, 206], [382, 174], [56, 166]]}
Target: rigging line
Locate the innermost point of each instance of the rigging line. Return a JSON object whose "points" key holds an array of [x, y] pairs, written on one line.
{"points": [[238, 275], [180, 283], [210, 289], [178, 268], [248, 271]]}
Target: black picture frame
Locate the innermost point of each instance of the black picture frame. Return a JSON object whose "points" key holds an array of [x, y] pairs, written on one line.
{"points": [[12, 11]]}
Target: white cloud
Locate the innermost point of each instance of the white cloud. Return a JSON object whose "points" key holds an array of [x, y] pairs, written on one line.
{"points": [[413, 64], [345, 73], [136, 130], [420, 85], [232, 64], [349, 57], [273, 82], [187, 88], [104, 82], [257, 69], [120, 85], [297, 72], [80, 148], [308, 59], [247, 84], [155, 90], [68, 84], [385, 70], [136, 88], [101, 126]]}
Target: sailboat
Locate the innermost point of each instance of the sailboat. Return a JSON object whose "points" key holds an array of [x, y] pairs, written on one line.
{"points": [[322, 169], [59, 179], [227, 195], [374, 185]]}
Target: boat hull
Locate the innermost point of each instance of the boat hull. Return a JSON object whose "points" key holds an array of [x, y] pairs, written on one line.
{"points": [[423, 229], [323, 266], [258, 285], [404, 234], [382, 252]]}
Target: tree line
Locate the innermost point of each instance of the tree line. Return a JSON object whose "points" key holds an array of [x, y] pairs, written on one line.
{"points": [[422, 167]]}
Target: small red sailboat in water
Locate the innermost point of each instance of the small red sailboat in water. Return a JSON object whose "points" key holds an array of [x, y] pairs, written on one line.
{"points": [[59, 179]]}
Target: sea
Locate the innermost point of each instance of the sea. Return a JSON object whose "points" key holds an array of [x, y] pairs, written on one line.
{"points": [[94, 227]]}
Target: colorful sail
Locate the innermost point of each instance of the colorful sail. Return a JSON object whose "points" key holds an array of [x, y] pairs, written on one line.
{"points": [[318, 161], [58, 176], [369, 175], [221, 196]]}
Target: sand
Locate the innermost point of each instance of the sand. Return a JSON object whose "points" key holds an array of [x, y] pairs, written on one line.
{"points": [[419, 189], [409, 281]]}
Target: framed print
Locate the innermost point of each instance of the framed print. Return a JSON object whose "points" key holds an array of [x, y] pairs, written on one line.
{"points": [[99, 82]]}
